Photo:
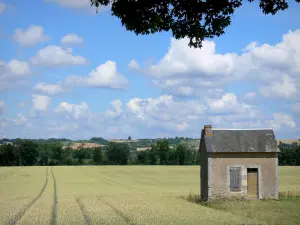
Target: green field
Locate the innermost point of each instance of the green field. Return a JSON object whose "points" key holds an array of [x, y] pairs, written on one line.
{"points": [[130, 195]]}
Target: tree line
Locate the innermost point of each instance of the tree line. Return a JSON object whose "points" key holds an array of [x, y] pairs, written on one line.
{"points": [[30, 153], [289, 154]]}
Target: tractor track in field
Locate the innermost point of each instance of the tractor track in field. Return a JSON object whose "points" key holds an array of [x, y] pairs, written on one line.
{"points": [[21, 213], [117, 211], [110, 182], [87, 219], [54, 206]]}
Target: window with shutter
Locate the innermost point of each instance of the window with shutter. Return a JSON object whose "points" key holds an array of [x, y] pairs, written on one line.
{"points": [[235, 179]]}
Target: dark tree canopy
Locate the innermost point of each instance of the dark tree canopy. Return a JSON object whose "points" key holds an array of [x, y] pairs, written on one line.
{"points": [[194, 19]]}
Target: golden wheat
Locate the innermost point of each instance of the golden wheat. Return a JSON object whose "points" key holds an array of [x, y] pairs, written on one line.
{"points": [[131, 195]]}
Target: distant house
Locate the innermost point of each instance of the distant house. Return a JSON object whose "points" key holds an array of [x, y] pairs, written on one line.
{"points": [[240, 163]]}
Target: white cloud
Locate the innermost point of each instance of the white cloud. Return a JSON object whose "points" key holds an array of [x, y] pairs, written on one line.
{"points": [[166, 112], [2, 107], [30, 36], [18, 67], [50, 89], [14, 68], [133, 65], [13, 73], [71, 39], [40, 102], [195, 70], [280, 119], [57, 56], [104, 76], [285, 88], [116, 109], [73, 111], [296, 107], [228, 103], [2, 7], [20, 120]]}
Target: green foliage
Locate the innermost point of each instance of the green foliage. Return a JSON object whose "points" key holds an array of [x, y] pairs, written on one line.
{"points": [[162, 148], [142, 157], [195, 19], [28, 153], [117, 153], [180, 154], [97, 156], [289, 154], [98, 140]]}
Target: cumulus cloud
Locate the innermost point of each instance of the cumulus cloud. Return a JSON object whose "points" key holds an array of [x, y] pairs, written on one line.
{"points": [[20, 120], [193, 70], [73, 111], [55, 56], [14, 68], [104, 76], [164, 116], [166, 112], [285, 87], [40, 102], [71, 39], [133, 65], [281, 119], [13, 73], [116, 109], [50, 89], [30, 36]]}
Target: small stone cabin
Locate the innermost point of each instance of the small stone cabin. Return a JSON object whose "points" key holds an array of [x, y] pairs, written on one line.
{"points": [[238, 163]]}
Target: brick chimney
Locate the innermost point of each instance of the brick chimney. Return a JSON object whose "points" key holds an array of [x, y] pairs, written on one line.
{"points": [[207, 130]]}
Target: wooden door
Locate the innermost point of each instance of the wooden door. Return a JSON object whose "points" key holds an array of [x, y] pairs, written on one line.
{"points": [[252, 183]]}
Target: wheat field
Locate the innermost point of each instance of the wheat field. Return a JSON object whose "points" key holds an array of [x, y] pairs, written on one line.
{"points": [[130, 195]]}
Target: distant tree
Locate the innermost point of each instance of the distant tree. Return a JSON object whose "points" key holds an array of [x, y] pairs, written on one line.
{"points": [[153, 157], [289, 154], [142, 157], [117, 153], [44, 154], [97, 156], [99, 140], [29, 153], [171, 158], [162, 150], [67, 158], [180, 154], [297, 155], [129, 138], [56, 153], [7, 155], [79, 156]]}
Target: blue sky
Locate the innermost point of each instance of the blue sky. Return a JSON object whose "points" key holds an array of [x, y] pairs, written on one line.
{"points": [[68, 72]]}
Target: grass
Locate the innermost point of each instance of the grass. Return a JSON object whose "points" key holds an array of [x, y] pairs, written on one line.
{"points": [[132, 195]]}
